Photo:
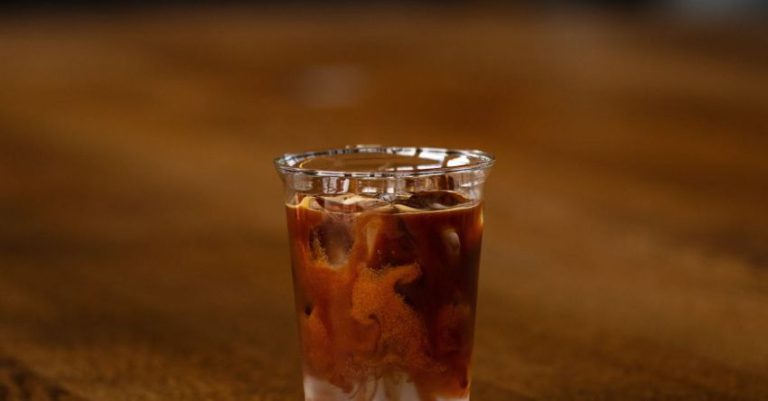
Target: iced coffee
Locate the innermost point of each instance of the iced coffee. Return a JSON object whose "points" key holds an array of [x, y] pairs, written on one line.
{"points": [[385, 247]]}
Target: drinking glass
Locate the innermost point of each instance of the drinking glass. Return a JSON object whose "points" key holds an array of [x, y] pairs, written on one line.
{"points": [[385, 248]]}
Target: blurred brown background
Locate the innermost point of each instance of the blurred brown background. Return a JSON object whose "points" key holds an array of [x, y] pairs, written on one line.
{"points": [[142, 244]]}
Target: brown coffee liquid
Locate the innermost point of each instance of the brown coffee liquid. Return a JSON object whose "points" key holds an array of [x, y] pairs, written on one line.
{"points": [[388, 290]]}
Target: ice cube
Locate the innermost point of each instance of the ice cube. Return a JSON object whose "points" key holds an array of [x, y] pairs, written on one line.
{"points": [[366, 204], [331, 241], [310, 202], [452, 243], [433, 200], [338, 204], [371, 232], [389, 243], [350, 203]]}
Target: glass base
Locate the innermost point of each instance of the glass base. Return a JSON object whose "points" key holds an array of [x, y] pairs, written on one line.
{"points": [[374, 390]]}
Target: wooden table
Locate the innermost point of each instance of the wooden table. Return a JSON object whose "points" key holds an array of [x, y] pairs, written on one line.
{"points": [[142, 245]]}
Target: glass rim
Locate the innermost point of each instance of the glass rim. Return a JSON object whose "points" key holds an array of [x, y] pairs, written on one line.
{"points": [[289, 162]]}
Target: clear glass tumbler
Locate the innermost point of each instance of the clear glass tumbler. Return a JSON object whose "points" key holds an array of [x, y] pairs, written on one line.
{"points": [[385, 247]]}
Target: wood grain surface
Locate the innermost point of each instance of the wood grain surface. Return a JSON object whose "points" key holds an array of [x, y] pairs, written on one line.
{"points": [[143, 252]]}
